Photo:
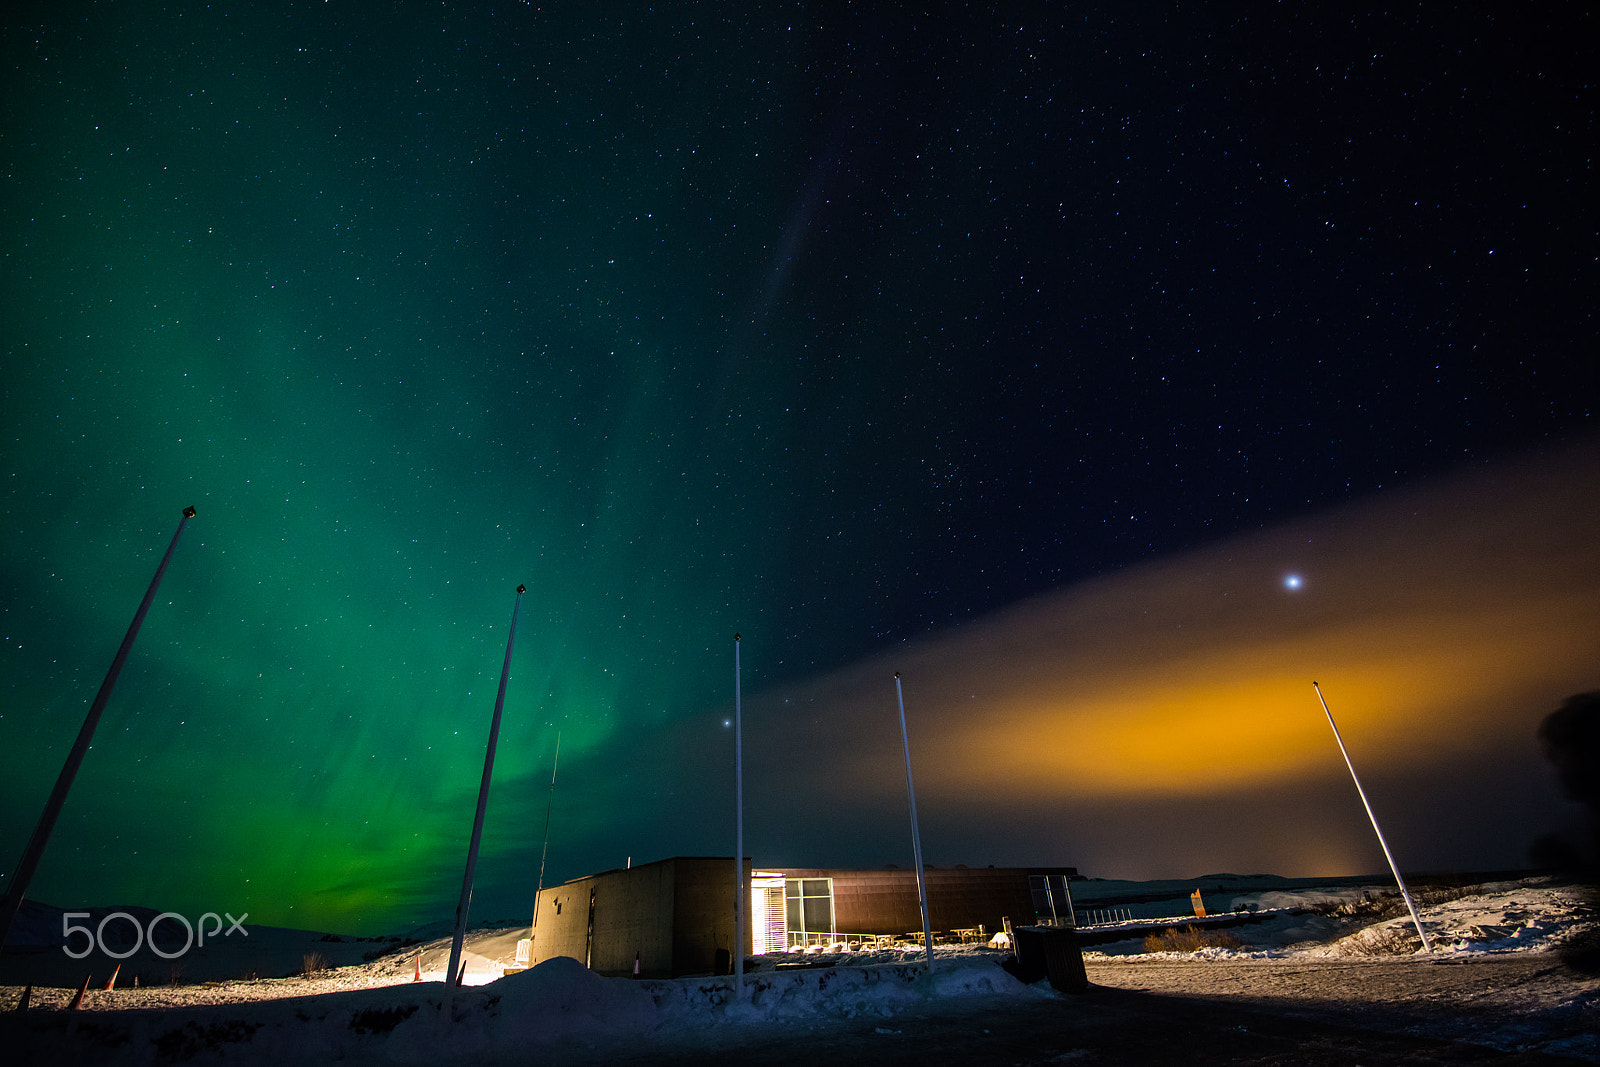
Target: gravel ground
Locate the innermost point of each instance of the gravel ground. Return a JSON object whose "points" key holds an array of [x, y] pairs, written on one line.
{"points": [[1529, 1002]]}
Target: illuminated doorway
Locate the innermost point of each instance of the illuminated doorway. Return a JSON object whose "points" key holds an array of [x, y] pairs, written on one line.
{"points": [[789, 912]]}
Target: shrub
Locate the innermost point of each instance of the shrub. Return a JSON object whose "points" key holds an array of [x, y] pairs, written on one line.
{"points": [[1393, 941], [1379, 941], [314, 962], [1390, 904], [1189, 939]]}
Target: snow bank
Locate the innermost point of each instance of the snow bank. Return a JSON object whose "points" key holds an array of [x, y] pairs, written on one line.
{"points": [[842, 992], [558, 1003], [1532, 916], [556, 1011], [1511, 917]]}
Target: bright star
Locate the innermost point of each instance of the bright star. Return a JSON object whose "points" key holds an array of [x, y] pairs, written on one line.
{"points": [[1291, 581]]}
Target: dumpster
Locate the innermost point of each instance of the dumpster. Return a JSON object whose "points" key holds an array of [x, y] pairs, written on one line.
{"points": [[1053, 952]]}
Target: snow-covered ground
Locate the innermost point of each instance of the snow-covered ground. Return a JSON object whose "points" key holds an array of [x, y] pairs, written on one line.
{"points": [[372, 1010], [1523, 916]]}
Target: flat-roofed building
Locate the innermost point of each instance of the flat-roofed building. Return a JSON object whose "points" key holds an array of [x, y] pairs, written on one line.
{"points": [[675, 916]]}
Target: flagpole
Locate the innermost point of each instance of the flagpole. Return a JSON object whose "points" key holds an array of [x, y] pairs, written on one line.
{"points": [[916, 837], [69, 770], [1384, 844], [741, 891], [452, 973]]}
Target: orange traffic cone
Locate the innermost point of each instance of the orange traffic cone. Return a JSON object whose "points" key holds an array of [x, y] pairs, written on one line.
{"points": [[77, 1001], [418, 976], [111, 983]]}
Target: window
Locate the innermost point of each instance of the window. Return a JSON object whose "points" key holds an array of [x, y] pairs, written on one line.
{"points": [[1052, 899], [809, 904]]}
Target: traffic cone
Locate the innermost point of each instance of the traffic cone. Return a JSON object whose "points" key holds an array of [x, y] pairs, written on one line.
{"points": [[77, 1001], [111, 983], [27, 995], [418, 976]]}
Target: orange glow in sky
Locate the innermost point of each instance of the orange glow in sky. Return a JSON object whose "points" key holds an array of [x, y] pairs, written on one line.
{"points": [[1441, 621]]}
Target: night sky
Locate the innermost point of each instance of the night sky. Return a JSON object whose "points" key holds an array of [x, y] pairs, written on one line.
{"points": [[1022, 348]]}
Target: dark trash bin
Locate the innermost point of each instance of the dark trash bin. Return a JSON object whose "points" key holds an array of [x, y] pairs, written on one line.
{"points": [[1053, 952]]}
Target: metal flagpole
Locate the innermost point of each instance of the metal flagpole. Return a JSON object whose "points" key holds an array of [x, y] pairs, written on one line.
{"points": [[741, 891], [533, 928], [1385, 845], [69, 770], [465, 903], [916, 838]]}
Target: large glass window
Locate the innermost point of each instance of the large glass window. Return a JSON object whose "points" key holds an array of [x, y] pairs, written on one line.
{"points": [[1052, 898], [809, 903]]}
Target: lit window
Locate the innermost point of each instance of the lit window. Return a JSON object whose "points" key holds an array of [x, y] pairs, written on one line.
{"points": [[809, 902]]}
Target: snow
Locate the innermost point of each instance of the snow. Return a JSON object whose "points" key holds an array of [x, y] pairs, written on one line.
{"points": [[371, 1011], [1496, 918]]}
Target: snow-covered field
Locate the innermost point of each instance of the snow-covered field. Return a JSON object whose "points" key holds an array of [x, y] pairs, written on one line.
{"points": [[372, 1010], [1494, 918]]}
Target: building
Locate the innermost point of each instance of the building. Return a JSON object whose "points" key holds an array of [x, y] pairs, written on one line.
{"points": [[675, 916], [802, 906]]}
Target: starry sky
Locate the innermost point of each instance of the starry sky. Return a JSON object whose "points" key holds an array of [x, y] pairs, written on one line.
{"points": [[1023, 348]]}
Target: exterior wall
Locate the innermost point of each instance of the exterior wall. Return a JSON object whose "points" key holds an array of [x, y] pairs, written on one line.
{"points": [[561, 923], [885, 902], [632, 913], [675, 914], [703, 918]]}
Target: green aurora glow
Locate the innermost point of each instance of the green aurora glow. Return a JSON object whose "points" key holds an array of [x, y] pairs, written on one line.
{"points": [[231, 292]]}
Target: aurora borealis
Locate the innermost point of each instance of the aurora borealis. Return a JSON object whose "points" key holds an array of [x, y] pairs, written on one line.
{"points": [[884, 338]]}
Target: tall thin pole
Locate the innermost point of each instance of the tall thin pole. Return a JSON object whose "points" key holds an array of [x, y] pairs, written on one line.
{"points": [[533, 929], [1385, 845], [477, 822], [69, 770], [916, 837], [741, 891]]}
